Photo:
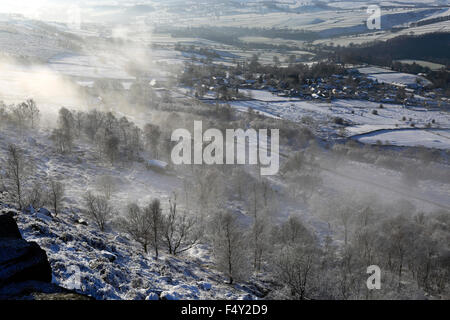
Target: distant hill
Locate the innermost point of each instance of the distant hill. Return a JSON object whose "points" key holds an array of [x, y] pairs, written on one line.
{"points": [[433, 47]]}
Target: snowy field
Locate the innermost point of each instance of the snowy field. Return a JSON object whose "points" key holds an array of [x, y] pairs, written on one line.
{"points": [[34, 40], [83, 66], [383, 75], [359, 114], [438, 139], [383, 35], [427, 64], [398, 78], [266, 96], [327, 21]]}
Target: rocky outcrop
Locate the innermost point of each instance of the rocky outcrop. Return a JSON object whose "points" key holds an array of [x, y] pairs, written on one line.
{"points": [[22, 261], [8, 228], [25, 272]]}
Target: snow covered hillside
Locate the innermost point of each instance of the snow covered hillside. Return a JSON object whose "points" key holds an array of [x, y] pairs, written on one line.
{"points": [[110, 266]]}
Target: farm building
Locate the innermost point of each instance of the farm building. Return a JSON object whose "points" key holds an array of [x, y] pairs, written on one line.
{"points": [[157, 165]]}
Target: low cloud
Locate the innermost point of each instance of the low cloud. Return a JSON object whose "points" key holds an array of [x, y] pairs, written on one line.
{"points": [[49, 89]]}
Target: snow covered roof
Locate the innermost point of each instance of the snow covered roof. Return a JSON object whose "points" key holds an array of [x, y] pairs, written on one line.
{"points": [[157, 164]]}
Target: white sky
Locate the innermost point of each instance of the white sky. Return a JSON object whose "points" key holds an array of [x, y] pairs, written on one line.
{"points": [[55, 10]]}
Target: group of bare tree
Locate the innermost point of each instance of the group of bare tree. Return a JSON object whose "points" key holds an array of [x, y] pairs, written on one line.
{"points": [[410, 247], [230, 246], [151, 226], [98, 208], [17, 170], [17, 180], [115, 138], [23, 115], [144, 225], [63, 136]]}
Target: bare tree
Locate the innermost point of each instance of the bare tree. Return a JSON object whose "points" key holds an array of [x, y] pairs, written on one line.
{"points": [[259, 231], [98, 208], [292, 232], [266, 191], [295, 268], [63, 142], [341, 213], [344, 216], [36, 196], [4, 114], [132, 143], [19, 116], [152, 136], [111, 147], [229, 246], [397, 240], [17, 170], [93, 122], [154, 212], [137, 225], [66, 121], [124, 126], [241, 180], [78, 121], [26, 114], [179, 230], [260, 235], [32, 112], [107, 186], [55, 194], [209, 189], [63, 136]]}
